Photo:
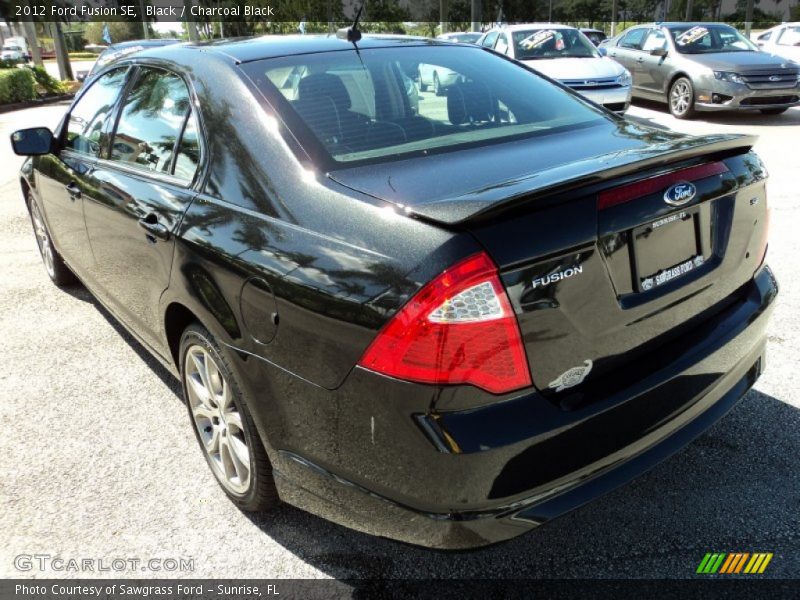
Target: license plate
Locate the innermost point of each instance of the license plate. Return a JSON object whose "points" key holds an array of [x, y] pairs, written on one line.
{"points": [[667, 248]]}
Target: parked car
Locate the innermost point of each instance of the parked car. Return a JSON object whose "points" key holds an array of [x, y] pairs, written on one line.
{"points": [[115, 51], [596, 36], [13, 53], [783, 40], [705, 67], [465, 37], [444, 328], [566, 55]]}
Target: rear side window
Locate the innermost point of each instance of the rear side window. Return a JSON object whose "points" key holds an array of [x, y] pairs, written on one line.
{"points": [[87, 117], [371, 106], [151, 122], [633, 39]]}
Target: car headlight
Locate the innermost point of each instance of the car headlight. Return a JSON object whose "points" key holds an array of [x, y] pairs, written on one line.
{"points": [[625, 78], [728, 76]]}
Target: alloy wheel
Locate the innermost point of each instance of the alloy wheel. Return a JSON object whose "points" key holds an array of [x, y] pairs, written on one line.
{"points": [[217, 419], [681, 97], [43, 240]]}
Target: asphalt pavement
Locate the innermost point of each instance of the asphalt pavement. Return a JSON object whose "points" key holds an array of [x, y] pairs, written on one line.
{"points": [[99, 462]]}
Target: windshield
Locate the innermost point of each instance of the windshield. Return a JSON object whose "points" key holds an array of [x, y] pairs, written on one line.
{"points": [[470, 38], [533, 44], [370, 107], [706, 39], [790, 36]]}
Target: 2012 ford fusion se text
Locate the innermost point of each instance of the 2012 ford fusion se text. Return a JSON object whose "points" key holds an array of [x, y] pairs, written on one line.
{"points": [[444, 324]]}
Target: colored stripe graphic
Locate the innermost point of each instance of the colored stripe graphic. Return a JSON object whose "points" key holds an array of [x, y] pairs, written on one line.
{"points": [[733, 562]]}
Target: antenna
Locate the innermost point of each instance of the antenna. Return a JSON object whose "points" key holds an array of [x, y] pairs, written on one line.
{"points": [[351, 34]]}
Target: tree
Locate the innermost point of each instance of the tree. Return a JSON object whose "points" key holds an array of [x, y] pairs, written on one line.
{"points": [[119, 31]]}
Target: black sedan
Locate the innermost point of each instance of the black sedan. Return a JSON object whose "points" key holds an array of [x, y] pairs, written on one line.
{"points": [[445, 325]]}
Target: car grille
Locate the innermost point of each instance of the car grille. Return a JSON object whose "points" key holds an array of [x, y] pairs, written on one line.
{"points": [[765, 100], [591, 84], [771, 79]]}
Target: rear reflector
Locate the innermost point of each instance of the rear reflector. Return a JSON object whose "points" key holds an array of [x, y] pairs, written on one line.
{"points": [[658, 183], [458, 329]]}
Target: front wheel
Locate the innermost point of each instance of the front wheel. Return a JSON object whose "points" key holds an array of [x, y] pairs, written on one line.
{"points": [[55, 266], [773, 111], [681, 98], [222, 423]]}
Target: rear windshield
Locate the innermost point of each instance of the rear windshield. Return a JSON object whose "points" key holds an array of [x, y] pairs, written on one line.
{"points": [[382, 103]]}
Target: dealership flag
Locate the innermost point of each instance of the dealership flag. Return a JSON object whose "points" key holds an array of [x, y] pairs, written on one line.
{"points": [[106, 34]]}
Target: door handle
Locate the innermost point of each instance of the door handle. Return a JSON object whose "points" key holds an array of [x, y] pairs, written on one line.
{"points": [[153, 228], [73, 190], [640, 59]]}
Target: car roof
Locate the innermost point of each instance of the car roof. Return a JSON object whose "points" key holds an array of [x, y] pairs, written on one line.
{"points": [[272, 46], [527, 26]]}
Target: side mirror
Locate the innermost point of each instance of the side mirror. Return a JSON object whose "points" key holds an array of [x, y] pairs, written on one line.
{"points": [[32, 142], [602, 50], [658, 52]]}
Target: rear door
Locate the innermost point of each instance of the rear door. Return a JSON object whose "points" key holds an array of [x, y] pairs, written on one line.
{"points": [[142, 186]]}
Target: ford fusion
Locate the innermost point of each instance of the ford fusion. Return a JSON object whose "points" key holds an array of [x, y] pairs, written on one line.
{"points": [[444, 326], [705, 67]]}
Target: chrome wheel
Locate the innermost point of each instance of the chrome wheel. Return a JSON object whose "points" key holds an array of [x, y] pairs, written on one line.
{"points": [[43, 240], [680, 98], [217, 419]]}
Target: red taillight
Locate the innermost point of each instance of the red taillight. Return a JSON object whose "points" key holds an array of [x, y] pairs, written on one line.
{"points": [[457, 329]]}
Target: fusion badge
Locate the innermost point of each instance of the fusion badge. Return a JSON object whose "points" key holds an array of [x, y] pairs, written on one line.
{"points": [[553, 277]]}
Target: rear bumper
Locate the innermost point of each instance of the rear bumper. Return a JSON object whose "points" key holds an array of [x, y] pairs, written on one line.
{"points": [[475, 477]]}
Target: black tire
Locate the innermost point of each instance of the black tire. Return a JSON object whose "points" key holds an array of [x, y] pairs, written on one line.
{"points": [[680, 98], [423, 87], [260, 492], [54, 265], [774, 111], [437, 86]]}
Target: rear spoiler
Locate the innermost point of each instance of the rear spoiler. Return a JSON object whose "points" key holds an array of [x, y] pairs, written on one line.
{"points": [[590, 172]]}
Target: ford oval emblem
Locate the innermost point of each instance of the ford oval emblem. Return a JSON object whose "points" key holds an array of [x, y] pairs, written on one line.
{"points": [[680, 193], [774, 77]]}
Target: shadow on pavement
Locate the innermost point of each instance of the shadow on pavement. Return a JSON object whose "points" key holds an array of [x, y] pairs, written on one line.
{"points": [[734, 489], [790, 117]]}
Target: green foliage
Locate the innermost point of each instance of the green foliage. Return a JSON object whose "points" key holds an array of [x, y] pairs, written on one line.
{"points": [[83, 55], [16, 85], [47, 83]]}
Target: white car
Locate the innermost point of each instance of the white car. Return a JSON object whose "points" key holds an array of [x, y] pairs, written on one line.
{"points": [[783, 40], [13, 53], [563, 53]]}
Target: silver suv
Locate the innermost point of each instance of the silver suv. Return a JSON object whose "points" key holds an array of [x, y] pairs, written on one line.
{"points": [[705, 67]]}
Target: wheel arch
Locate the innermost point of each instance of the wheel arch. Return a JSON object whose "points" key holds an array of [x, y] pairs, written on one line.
{"points": [[177, 317], [675, 76]]}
